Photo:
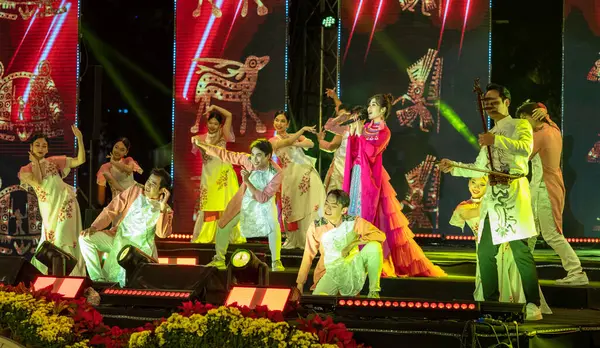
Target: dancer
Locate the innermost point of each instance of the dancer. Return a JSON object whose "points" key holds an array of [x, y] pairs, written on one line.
{"points": [[548, 189], [56, 199], [302, 191], [342, 268], [334, 179], [118, 172], [218, 181], [511, 287], [253, 206], [506, 214], [373, 198], [136, 214]]}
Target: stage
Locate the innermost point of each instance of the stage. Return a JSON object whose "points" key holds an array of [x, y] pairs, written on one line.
{"points": [[575, 321]]}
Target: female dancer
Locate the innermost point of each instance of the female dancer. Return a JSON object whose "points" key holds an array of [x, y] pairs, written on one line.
{"points": [[302, 191], [57, 200], [118, 172], [218, 181], [373, 198], [509, 279]]}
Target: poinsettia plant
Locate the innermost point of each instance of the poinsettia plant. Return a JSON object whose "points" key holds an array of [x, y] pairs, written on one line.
{"points": [[41, 318]]}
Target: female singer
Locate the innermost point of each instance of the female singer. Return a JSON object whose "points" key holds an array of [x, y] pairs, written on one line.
{"points": [[57, 200], [302, 191], [373, 198], [118, 172], [218, 181], [511, 287]]}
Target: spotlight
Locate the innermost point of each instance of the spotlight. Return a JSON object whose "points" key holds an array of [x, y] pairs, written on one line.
{"points": [[247, 268], [328, 21], [59, 262], [130, 258]]}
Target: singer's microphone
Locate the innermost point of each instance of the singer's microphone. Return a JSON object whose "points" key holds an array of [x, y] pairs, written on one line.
{"points": [[350, 121]]}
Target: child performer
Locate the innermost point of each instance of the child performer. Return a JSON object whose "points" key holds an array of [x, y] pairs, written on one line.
{"points": [[218, 181], [56, 199], [373, 198], [302, 191], [118, 172], [511, 287], [253, 206]]}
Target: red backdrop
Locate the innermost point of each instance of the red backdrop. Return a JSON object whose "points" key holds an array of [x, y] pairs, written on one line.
{"points": [[227, 45]]}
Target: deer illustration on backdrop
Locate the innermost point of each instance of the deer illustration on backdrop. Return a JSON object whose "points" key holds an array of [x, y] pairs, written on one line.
{"points": [[230, 81]]}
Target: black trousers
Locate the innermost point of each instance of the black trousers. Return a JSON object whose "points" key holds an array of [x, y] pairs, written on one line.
{"points": [[488, 268]]}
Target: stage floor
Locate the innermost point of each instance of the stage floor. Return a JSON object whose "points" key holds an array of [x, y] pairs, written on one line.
{"points": [[575, 321]]}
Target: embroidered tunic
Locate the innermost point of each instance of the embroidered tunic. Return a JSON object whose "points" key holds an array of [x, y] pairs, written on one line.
{"points": [[302, 191], [324, 238], [59, 209], [508, 207]]}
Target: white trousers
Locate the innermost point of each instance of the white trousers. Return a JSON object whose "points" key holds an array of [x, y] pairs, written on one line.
{"points": [[544, 221], [91, 246], [351, 280], [224, 235]]}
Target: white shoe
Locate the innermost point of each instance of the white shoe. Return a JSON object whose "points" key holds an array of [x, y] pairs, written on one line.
{"points": [[574, 279], [277, 266], [219, 264], [533, 312]]}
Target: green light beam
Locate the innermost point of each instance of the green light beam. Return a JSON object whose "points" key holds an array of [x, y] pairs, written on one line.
{"points": [[124, 89]]}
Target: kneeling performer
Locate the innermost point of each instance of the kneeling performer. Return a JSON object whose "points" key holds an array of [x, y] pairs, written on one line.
{"points": [[342, 267], [137, 214]]}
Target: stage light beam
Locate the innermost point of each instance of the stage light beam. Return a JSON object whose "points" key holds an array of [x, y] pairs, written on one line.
{"points": [[374, 26], [199, 50], [462, 35], [360, 4]]}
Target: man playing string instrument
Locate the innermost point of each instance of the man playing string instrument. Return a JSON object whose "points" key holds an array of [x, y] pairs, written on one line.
{"points": [[506, 213]]}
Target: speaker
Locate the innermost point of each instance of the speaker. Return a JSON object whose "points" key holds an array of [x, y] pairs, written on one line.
{"points": [[16, 269], [204, 281]]}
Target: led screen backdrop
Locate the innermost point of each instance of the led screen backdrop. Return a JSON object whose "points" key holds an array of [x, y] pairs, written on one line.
{"points": [[38, 94], [581, 125], [231, 54], [426, 54]]}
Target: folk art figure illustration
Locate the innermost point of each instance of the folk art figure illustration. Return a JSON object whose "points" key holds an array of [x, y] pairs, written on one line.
{"points": [[429, 67]]}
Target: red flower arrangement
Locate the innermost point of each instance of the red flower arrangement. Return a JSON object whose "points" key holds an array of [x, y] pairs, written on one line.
{"points": [[88, 322]]}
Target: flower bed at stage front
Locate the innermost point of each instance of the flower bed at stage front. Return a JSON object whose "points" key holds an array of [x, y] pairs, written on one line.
{"points": [[41, 319]]}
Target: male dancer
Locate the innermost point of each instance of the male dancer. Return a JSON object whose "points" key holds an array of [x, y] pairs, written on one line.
{"points": [[506, 214], [342, 268], [253, 206], [548, 189], [137, 214]]}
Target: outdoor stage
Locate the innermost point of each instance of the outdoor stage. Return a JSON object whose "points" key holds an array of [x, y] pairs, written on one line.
{"points": [[574, 323]]}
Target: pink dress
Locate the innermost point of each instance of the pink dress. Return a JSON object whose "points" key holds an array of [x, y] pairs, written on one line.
{"points": [[124, 179], [371, 192]]}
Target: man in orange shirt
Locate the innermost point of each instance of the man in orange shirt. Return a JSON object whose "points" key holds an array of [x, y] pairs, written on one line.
{"points": [[548, 189], [342, 267]]}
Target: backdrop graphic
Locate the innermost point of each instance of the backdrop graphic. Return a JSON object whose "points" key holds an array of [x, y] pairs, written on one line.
{"points": [[231, 54], [581, 126], [426, 53], [38, 94]]}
